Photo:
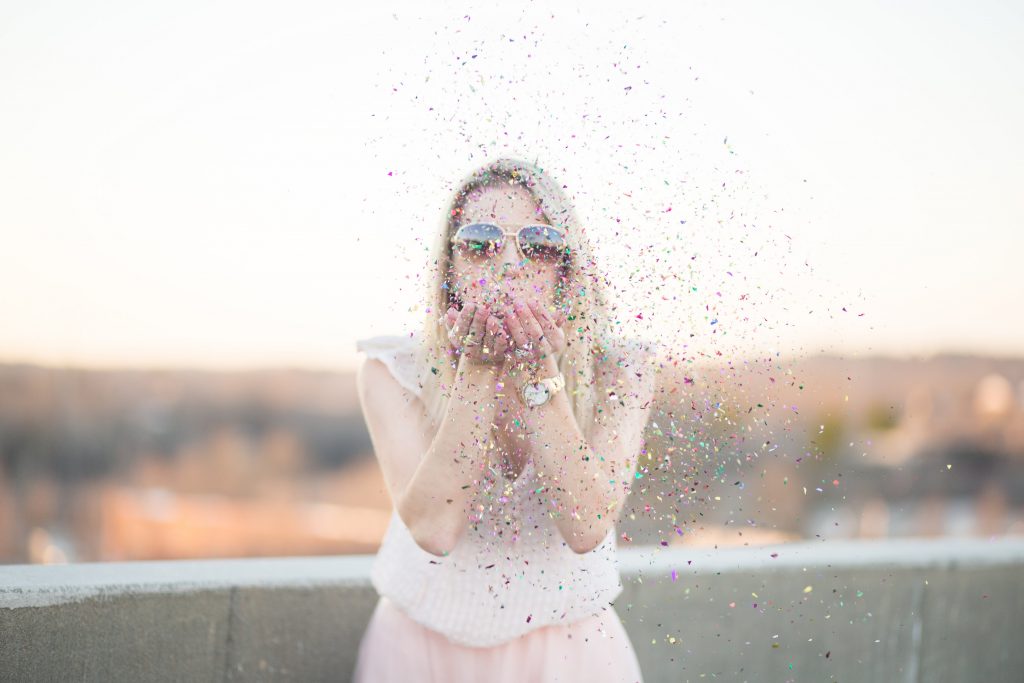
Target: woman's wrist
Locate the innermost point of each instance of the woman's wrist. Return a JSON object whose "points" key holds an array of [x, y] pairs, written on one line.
{"points": [[523, 372], [475, 374]]}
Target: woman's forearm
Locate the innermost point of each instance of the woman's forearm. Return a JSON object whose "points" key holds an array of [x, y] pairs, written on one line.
{"points": [[581, 488], [438, 500]]}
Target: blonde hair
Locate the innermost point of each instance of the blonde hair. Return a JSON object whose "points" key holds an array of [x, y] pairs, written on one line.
{"points": [[584, 330]]}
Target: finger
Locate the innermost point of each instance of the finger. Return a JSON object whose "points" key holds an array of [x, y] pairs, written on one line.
{"points": [[544, 310], [547, 325], [501, 342], [553, 331], [479, 320], [563, 314], [462, 323], [515, 328], [491, 336], [450, 317], [491, 327], [529, 322]]}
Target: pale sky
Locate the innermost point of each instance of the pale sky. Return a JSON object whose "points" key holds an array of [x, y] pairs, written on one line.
{"points": [[206, 184]]}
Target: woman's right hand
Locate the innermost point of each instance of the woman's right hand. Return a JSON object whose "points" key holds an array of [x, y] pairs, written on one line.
{"points": [[489, 342]]}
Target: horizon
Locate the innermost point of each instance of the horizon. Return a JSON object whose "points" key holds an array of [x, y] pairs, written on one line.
{"points": [[220, 368]]}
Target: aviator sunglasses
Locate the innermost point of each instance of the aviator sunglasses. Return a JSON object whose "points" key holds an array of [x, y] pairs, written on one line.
{"points": [[536, 242]]}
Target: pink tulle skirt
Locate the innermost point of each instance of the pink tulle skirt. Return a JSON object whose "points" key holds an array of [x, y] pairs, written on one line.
{"points": [[397, 649]]}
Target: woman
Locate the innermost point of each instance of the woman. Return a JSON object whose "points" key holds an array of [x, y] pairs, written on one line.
{"points": [[508, 432]]}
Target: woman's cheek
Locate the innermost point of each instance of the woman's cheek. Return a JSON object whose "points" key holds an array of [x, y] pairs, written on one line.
{"points": [[468, 287]]}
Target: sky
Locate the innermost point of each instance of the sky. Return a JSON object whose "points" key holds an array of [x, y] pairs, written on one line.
{"points": [[245, 184]]}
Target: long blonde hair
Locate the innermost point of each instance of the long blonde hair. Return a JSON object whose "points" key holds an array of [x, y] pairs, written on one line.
{"points": [[587, 328]]}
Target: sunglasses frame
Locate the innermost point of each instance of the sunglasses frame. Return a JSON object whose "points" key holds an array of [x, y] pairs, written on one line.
{"points": [[515, 233]]}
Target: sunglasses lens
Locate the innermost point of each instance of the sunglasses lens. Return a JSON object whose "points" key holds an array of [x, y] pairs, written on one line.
{"points": [[542, 243], [478, 240]]}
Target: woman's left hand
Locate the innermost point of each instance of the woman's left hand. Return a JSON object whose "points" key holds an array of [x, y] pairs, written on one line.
{"points": [[535, 333]]}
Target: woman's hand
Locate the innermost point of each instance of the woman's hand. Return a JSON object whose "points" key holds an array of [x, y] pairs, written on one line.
{"points": [[535, 332], [476, 334]]}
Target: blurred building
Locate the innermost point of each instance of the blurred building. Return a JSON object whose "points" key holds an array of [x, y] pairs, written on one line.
{"points": [[106, 465]]}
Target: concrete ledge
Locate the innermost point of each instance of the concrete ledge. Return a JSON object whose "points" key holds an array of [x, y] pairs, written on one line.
{"points": [[43, 585], [894, 610]]}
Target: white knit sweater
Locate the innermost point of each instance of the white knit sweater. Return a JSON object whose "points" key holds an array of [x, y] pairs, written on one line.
{"points": [[511, 572]]}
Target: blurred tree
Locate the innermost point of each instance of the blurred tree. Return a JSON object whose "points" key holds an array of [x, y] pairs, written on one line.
{"points": [[881, 418]]}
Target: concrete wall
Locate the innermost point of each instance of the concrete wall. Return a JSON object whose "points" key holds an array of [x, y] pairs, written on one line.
{"points": [[896, 610]]}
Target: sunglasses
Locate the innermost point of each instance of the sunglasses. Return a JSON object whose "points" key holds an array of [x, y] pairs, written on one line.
{"points": [[482, 241]]}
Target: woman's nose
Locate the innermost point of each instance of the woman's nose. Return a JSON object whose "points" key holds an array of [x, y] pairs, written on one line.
{"points": [[509, 258]]}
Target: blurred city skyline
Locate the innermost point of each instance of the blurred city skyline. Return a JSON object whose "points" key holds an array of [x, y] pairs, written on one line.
{"points": [[238, 186], [156, 464]]}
